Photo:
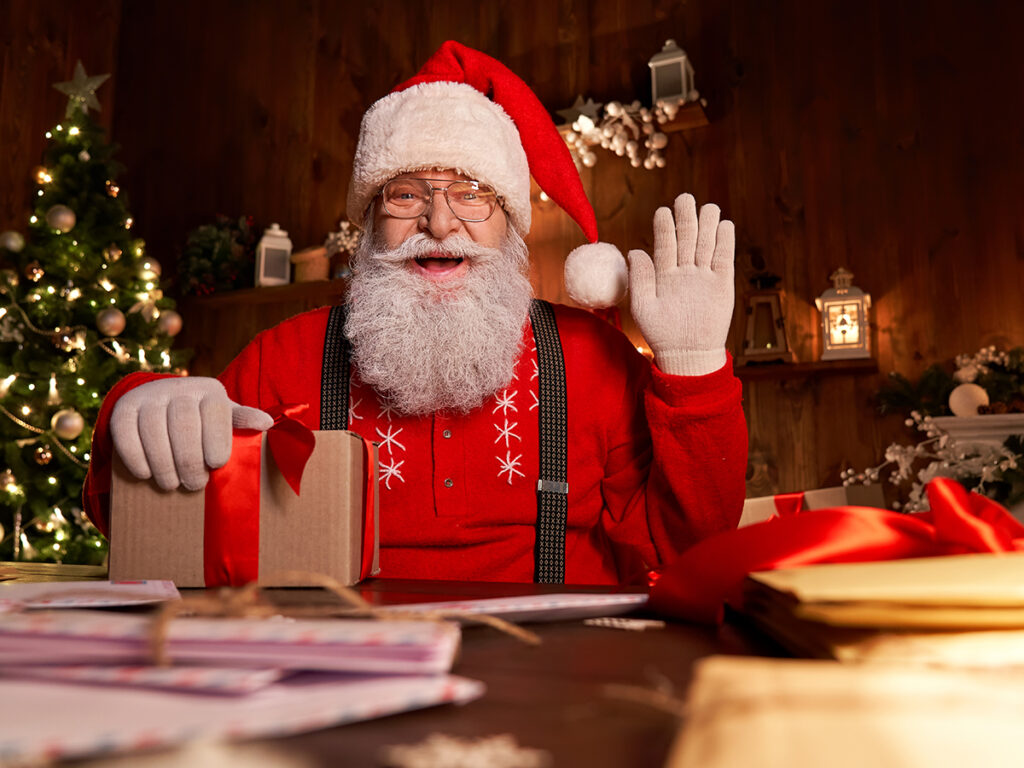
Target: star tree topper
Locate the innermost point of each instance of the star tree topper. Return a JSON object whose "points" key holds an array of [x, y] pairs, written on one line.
{"points": [[81, 90]]}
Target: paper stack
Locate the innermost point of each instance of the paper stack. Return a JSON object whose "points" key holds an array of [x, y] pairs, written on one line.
{"points": [[960, 611], [778, 713], [78, 682]]}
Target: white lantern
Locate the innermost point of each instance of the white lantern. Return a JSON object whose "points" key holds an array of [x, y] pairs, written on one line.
{"points": [[844, 319], [671, 76], [273, 257]]}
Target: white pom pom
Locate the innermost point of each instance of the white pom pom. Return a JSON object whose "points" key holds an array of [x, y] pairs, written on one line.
{"points": [[965, 399], [596, 275]]}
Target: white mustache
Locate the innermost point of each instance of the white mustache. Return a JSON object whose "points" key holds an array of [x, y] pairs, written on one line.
{"points": [[424, 246]]}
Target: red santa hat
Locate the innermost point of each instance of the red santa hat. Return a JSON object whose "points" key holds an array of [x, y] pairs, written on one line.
{"points": [[468, 112]]}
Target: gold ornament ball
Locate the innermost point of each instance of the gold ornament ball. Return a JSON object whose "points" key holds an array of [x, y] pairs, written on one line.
{"points": [[12, 241], [110, 321], [61, 218], [169, 322], [33, 271], [43, 455], [113, 253], [67, 424]]}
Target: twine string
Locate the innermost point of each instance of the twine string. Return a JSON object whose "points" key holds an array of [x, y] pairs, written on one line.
{"points": [[249, 602]]}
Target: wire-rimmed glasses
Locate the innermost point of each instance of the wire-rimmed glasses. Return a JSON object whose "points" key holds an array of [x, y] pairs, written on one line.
{"points": [[410, 198]]}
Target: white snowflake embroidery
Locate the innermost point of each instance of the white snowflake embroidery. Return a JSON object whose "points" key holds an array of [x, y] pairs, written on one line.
{"points": [[388, 439], [386, 408], [536, 402], [504, 401], [387, 471], [504, 433], [536, 371], [508, 464], [352, 415]]}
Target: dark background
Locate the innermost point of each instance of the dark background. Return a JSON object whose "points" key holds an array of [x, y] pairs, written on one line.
{"points": [[883, 136]]}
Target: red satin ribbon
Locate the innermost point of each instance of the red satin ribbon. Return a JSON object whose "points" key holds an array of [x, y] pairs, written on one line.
{"points": [[369, 507], [695, 586], [787, 504], [231, 526]]}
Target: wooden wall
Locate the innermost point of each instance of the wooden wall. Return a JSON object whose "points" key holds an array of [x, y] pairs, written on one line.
{"points": [[884, 136]]}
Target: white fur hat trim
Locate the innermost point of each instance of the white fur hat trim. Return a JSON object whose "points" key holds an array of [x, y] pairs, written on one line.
{"points": [[443, 125], [596, 275]]}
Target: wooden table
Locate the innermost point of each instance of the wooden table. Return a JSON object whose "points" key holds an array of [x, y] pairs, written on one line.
{"points": [[551, 697]]}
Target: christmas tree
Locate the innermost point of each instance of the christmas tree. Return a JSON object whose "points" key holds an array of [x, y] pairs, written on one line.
{"points": [[80, 307]]}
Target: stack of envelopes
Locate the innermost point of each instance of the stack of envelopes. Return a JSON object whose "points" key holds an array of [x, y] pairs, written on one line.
{"points": [[79, 682], [962, 610]]}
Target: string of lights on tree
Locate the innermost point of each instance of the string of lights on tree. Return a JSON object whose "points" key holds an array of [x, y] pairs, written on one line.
{"points": [[80, 307]]}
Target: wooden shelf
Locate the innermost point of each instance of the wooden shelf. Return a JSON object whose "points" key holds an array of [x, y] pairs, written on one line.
{"points": [[758, 372], [690, 115], [218, 326]]}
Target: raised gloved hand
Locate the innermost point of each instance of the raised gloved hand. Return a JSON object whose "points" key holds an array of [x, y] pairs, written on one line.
{"points": [[682, 300], [177, 430]]}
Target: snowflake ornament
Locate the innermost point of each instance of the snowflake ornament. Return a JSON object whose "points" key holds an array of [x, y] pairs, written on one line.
{"points": [[505, 402], [388, 439], [505, 432], [389, 470], [510, 465]]}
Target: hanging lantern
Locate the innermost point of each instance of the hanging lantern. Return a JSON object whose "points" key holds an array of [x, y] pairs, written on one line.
{"points": [[671, 76], [844, 319]]}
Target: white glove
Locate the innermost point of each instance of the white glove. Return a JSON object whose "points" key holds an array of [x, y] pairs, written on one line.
{"points": [[683, 299], [176, 430]]}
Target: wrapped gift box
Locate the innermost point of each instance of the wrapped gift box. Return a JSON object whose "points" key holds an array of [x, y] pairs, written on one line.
{"points": [[763, 507], [323, 530]]}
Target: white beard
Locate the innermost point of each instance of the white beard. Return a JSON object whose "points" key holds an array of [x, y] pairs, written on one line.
{"points": [[429, 346]]}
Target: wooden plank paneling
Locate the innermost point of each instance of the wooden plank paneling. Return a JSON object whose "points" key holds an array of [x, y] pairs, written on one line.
{"points": [[881, 136]]}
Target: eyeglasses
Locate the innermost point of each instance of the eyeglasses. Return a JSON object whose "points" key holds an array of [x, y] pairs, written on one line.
{"points": [[411, 198]]}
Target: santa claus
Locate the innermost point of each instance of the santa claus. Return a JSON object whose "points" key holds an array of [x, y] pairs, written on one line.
{"points": [[518, 440]]}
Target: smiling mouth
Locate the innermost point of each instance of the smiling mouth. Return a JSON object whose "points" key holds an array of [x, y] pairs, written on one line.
{"points": [[440, 266]]}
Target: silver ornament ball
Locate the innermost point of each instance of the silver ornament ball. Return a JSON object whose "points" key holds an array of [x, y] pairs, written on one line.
{"points": [[67, 424], [12, 241], [61, 218], [150, 269], [169, 322], [110, 321]]}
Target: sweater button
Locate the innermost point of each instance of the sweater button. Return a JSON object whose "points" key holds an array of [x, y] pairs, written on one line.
{"points": [[448, 482], [447, 433]]}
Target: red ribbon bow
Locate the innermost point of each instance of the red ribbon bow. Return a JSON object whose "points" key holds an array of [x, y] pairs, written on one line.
{"points": [[231, 532], [695, 585]]}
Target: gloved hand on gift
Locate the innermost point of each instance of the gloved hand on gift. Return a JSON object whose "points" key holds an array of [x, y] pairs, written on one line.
{"points": [[683, 299], [176, 430]]}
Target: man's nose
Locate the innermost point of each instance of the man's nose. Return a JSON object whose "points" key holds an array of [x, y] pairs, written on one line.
{"points": [[439, 219]]}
